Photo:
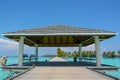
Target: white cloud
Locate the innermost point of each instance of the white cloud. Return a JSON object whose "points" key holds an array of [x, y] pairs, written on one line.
{"points": [[71, 49], [8, 44], [89, 48]]}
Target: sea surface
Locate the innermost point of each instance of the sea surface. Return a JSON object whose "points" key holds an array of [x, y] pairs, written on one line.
{"points": [[14, 60], [107, 61]]}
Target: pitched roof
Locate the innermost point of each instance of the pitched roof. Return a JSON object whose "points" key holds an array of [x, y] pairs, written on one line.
{"points": [[59, 35], [60, 30]]}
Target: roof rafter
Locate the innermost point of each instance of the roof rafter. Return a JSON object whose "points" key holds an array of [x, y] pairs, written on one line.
{"points": [[30, 41]]}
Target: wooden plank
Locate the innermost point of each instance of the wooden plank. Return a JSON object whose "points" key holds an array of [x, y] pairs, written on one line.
{"points": [[62, 73]]}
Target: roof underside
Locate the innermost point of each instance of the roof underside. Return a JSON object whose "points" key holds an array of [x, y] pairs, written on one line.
{"points": [[59, 35]]}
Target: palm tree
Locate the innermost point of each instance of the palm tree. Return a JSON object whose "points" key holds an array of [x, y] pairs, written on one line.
{"points": [[59, 52]]}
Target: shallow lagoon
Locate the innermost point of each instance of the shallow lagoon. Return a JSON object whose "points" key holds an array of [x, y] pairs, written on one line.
{"points": [[108, 61], [14, 60]]}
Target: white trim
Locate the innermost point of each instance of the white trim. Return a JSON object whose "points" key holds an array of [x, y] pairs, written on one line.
{"points": [[52, 34]]}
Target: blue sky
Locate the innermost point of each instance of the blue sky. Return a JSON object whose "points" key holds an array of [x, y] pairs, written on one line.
{"points": [[24, 14]]}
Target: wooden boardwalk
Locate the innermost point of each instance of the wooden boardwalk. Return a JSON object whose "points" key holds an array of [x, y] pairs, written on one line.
{"points": [[61, 73], [57, 59]]}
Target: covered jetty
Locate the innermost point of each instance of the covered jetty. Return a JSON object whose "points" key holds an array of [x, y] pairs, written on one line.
{"points": [[59, 36]]}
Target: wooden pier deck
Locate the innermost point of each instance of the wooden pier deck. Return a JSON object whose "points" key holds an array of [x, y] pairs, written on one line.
{"points": [[61, 73]]}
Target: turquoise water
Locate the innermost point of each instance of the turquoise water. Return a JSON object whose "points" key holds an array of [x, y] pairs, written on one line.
{"points": [[71, 59], [108, 61], [41, 58], [6, 74], [14, 60], [113, 62]]}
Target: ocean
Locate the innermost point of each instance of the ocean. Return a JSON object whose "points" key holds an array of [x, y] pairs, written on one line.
{"points": [[14, 60], [107, 61]]}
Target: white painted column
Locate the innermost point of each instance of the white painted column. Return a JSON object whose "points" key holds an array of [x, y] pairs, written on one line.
{"points": [[21, 50], [36, 52], [97, 50], [80, 51]]}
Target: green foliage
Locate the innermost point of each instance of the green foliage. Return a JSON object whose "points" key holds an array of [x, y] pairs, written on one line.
{"points": [[61, 53], [112, 54], [104, 54], [88, 54], [119, 52], [109, 54]]}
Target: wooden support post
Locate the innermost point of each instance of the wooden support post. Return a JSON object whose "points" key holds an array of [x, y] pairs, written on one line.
{"points": [[97, 49], [21, 50], [36, 53], [80, 51]]}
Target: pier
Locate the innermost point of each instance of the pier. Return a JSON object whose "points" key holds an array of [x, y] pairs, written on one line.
{"points": [[61, 73]]}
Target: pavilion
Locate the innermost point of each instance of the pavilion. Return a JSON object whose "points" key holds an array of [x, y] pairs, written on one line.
{"points": [[59, 36]]}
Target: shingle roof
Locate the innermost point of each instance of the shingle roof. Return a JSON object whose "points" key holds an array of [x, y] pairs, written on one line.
{"points": [[55, 29], [59, 35]]}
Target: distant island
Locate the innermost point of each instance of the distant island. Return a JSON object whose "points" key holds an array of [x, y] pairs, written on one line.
{"points": [[91, 54], [111, 54]]}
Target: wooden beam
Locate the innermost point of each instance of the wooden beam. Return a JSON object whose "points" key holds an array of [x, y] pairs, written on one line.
{"points": [[67, 39], [30, 40], [78, 40], [48, 39], [86, 40], [55, 39], [39, 39], [57, 43], [60, 39]]}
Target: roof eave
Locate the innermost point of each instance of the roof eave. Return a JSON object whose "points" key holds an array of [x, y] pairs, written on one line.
{"points": [[58, 34]]}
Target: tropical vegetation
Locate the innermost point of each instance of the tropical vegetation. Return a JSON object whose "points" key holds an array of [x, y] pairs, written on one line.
{"points": [[92, 54], [111, 54], [61, 53]]}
